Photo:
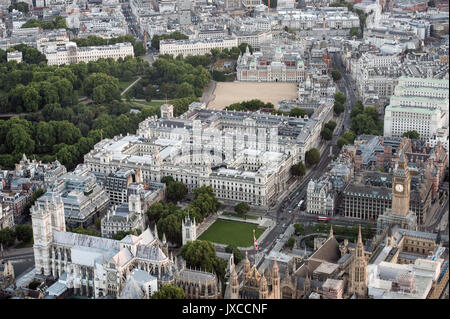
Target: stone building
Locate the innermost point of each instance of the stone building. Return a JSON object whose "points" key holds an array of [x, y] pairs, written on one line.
{"points": [[274, 66], [128, 216], [199, 149], [320, 197], [97, 267]]}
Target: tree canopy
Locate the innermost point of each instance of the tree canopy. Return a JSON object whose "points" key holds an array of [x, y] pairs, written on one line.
{"points": [[411, 134], [20, 6], [201, 254], [298, 112], [242, 209], [58, 23], [312, 157], [336, 75], [251, 105], [177, 35], [169, 292], [298, 169]]}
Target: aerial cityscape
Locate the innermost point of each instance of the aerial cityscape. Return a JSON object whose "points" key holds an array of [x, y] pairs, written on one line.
{"points": [[224, 149]]}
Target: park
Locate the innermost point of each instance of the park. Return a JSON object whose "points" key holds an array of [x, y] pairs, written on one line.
{"points": [[229, 232]]}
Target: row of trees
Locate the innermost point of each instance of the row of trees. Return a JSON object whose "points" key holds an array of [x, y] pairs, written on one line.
{"points": [[339, 100], [252, 105], [327, 131], [94, 40], [177, 35], [58, 23], [23, 233]]}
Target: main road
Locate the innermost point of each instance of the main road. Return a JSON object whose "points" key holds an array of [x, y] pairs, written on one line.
{"points": [[287, 211]]}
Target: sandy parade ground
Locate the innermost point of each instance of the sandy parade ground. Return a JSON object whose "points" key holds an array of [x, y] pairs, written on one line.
{"points": [[227, 93]]}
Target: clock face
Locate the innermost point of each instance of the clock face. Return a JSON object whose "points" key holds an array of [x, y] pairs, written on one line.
{"points": [[399, 188]]}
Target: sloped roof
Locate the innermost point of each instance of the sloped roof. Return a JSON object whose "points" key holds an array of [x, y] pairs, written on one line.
{"points": [[131, 290], [74, 239], [150, 253], [123, 257]]}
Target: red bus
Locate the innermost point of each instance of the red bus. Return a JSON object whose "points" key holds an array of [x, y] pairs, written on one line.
{"points": [[323, 219]]}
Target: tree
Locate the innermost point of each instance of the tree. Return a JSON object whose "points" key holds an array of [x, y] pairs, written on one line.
{"points": [[167, 180], [326, 134], [20, 6], [340, 97], [7, 236], [242, 209], [237, 254], [331, 125], [290, 243], [169, 292], [354, 32], [200, 254], [338, 108], [298, 169], [298, 112], [24, 233], [312, 157], [414, 135], [176, 191], [171, 226], [336, 75], [86, 231], [299, 229], [121, 234], [243, 47]]}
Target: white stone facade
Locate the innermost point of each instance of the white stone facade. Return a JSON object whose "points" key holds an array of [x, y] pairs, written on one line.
{"points": [[417, 104], [70, 53], [245, 169], [320, 198], [196, 46]]}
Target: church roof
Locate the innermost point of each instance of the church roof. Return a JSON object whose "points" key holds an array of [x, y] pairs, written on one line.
{"points": [[150, 253], [146, 237], [74, 239], [130, 239], [131, 290], [123, 257], [195, 275]]}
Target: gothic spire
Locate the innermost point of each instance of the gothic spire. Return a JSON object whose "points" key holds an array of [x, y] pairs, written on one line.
{"points": [[156, 232], [331, 232], [359, 236]]}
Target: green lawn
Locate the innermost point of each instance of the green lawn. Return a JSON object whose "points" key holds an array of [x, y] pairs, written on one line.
{"points": [[124, 84], [145, 104], [237, 216], [231, 232]]}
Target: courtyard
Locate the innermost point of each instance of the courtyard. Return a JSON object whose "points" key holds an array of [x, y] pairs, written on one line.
{"points": [[229, 232], [227, 93]]}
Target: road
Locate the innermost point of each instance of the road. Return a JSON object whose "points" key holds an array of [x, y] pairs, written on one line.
{"points": [[287, 211], [347, 86]]}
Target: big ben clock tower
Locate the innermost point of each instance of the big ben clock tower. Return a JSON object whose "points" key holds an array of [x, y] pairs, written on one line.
{"points": [[401, 188]]}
